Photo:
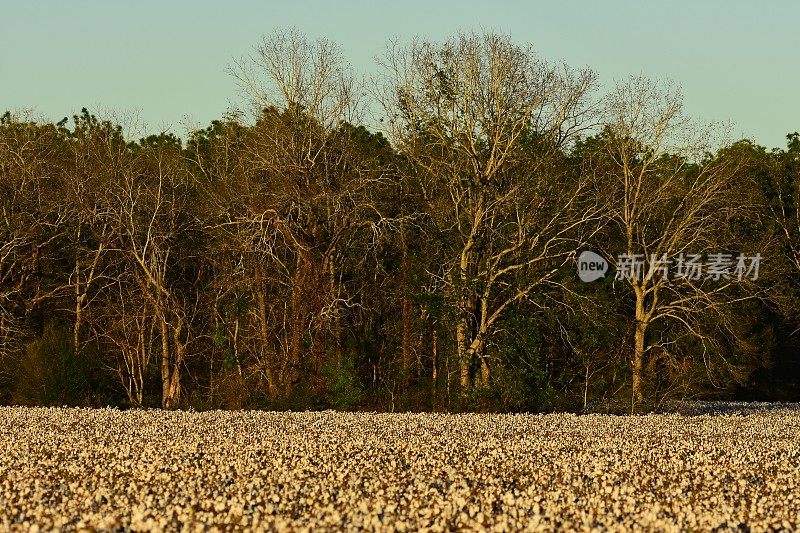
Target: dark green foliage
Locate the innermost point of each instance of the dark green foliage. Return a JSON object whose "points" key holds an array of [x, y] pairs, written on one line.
{"points": [[344, 392], [48, 372]]}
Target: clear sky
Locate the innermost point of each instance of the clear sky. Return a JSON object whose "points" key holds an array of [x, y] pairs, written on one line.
{"points": [[166, 60]]}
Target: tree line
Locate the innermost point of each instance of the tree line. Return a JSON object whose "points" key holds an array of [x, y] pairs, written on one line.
{"points": [[290, 256]]}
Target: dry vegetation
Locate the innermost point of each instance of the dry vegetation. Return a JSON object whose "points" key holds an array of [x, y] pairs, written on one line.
{"points": [[145, 470]]}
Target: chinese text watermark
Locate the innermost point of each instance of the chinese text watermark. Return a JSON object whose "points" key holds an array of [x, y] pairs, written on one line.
{"points": [[685, 266]]}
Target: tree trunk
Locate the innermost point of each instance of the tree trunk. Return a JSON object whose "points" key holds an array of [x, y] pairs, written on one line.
{"points": [[637, 363], [165, 364], [138, 377], [171, 361], [3, 339], [236, 344], [434, 365], [585, 389], [405, 309], [476, 351], [336, 328], [82, 292], [267, 357], [464, 356], [76, 328], [171, 368], [297, 322], [180, 355], [484, 371]]}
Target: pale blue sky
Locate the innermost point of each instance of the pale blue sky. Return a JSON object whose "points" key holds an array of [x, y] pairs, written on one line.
{"points": [[736, 60]]}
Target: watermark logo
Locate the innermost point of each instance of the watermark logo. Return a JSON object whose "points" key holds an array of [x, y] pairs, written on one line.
{"points": [[692, 267], [591, 266]]}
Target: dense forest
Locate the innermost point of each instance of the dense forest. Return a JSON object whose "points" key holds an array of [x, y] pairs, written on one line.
{"points": [[407, 241]]}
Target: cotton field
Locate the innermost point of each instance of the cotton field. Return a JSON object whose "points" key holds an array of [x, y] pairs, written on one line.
{"points": [[78, 469]]}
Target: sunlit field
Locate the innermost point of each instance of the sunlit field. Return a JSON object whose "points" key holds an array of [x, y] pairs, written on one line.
{"points": [[144, 470]]}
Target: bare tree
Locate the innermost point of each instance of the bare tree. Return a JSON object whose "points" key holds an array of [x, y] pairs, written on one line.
{"points": [[147, 203], [32, 222], [482, 122], [97, 149], [296, 196], [124, 322], [673, 206]]}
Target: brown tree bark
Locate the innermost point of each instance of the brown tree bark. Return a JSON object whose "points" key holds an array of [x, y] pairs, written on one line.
{"points": [[267, 355], [165, 364], [638, 362]]}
